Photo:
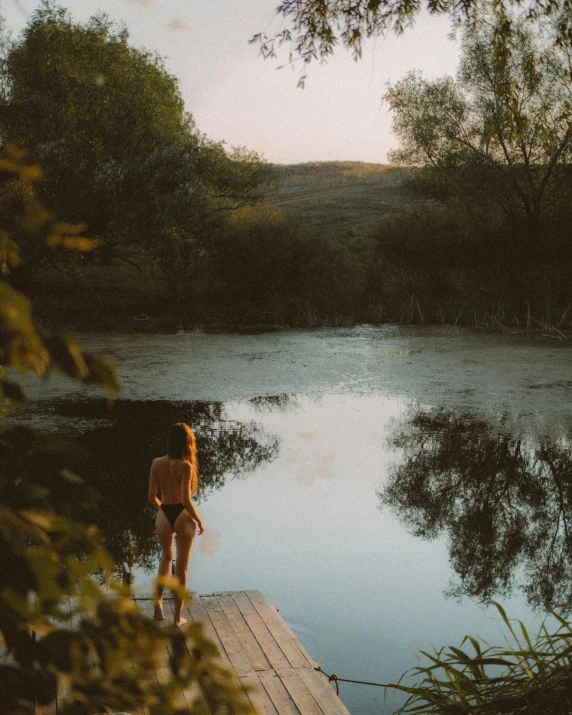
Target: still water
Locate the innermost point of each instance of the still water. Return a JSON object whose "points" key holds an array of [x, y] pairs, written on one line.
{"points": [[379, 485]]}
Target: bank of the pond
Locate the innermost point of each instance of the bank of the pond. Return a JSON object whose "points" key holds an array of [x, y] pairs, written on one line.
{"points": [[133, 299], [68, 314]]}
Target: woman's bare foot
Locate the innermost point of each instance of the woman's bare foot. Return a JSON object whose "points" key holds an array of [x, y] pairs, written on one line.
{"points": [[158, 611], [180, 622]]}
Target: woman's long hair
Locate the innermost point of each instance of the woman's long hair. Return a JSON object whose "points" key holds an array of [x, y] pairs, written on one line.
{"points": [[181, 444]]}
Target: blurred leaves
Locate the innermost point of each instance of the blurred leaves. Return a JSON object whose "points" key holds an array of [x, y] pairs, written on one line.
{"points": [[58, 627]]}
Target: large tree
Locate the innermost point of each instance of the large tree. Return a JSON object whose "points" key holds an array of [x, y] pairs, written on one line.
{"points": [[78, 97], [119, 152], [500, 133]]}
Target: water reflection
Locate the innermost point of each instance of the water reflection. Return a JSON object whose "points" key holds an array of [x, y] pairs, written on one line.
{"points": [[269, 403], [504, 502], [121, 444]]}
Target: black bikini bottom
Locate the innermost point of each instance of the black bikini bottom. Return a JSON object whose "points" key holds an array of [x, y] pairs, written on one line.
{"points": [[172, 511]]}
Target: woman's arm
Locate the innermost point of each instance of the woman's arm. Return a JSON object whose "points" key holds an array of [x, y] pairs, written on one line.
{"points": [[153, 484], [186, 494]]}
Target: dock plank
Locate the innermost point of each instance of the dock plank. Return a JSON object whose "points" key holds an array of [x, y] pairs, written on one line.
{"points": [[277, 693], [304, 652], [292, 649], [258, 696], [238, 658], [322, 692], [299, 693], [270, 647], [244, 634], [198, 613]]}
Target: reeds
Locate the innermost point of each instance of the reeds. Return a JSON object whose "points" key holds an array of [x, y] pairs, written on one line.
{"points": [[525, 677]]}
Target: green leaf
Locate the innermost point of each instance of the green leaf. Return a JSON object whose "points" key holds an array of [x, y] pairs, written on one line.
{"points": [[20, 344], [102, 371]]}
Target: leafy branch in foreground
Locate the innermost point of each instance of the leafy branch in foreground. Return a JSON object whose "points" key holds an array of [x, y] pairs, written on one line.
{"points": [[48, 560], [314, 29], [532, 676]]}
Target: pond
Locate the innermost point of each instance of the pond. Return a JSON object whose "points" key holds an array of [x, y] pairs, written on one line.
{"points": [[379, 484]]}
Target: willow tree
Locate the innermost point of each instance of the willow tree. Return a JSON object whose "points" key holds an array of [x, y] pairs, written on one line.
{"points": [[314, 29], [499, 134]]}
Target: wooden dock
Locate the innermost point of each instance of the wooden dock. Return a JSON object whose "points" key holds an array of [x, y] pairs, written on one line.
{"points": [[262, 652]]}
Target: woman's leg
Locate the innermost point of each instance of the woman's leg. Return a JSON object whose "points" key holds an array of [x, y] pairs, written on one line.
{"points": [[185, 536], [165, 534]]}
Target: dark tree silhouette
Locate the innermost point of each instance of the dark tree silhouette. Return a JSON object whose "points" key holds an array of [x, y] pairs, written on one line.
{"points": [[505, 504], [119, 445]]}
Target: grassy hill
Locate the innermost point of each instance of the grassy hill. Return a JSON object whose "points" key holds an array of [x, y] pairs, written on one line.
{"points": [[341, 199], [341, 202], [328, 268]]}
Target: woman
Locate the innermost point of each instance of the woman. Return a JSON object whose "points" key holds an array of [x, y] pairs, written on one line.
{"points": [[177, 476]]}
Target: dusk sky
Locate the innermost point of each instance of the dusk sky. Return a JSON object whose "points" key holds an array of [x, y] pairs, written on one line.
{"points": [[238, 97]]}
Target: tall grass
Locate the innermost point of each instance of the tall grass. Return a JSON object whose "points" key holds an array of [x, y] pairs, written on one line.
{"points": [[527, 676]]}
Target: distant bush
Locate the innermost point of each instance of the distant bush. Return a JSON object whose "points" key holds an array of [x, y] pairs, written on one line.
{"points": [[438, 260], [262, 269]]}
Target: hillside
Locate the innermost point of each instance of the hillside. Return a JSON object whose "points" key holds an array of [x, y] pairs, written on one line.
{"points": [[341, 202], [340, 199]]}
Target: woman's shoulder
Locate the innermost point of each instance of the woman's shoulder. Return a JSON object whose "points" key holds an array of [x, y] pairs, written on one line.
{"points": [[158, 461], [181, 466]]}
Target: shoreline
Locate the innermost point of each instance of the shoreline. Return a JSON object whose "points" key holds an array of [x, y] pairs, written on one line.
{"points": [[168, 324]]}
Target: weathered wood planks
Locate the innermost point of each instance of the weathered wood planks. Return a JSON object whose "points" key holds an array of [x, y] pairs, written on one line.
{"points": [[264, 654], [277, 675]]}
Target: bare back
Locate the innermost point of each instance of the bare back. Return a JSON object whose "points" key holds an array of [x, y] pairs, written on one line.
{"points": [[169, 475]]}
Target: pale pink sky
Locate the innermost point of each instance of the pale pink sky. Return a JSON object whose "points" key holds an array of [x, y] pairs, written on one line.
{"points": [[238, 97]]}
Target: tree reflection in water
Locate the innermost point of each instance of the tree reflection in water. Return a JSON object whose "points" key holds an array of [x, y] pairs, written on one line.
{"points": [[505, 504], [280, 402], [121, 444]]}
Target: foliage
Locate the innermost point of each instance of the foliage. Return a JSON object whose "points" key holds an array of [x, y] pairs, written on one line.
{"points": [[79, 97], [351, 244], [315, 28], [433, 249], [500, 135], [183, 196], [58, 629], [107, 122], [265, 268], [530, 677]]}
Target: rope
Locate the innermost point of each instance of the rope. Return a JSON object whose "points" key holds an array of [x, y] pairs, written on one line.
{"points": [[335, 680]]}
